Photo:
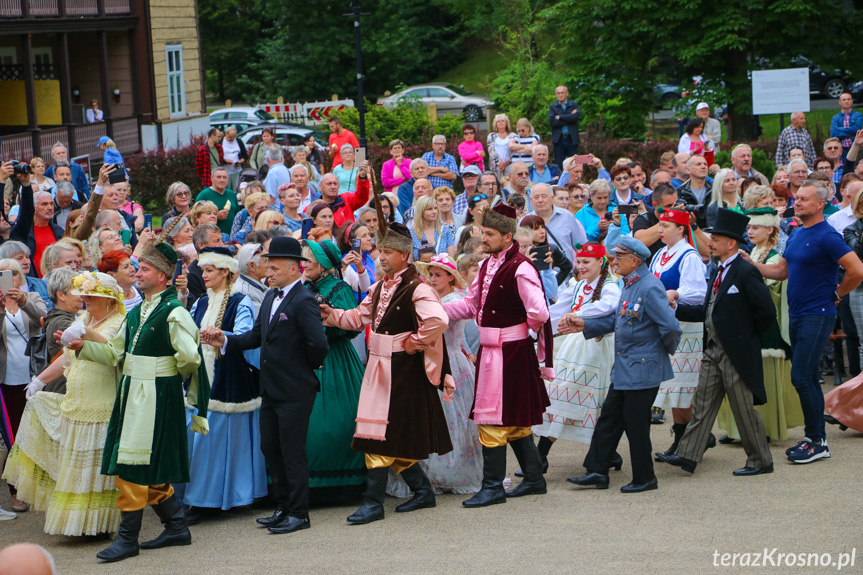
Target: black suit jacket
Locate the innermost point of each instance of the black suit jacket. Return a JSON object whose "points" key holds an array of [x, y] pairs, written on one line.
{"points": [[739, 318], [568, 117], [293, 345]]}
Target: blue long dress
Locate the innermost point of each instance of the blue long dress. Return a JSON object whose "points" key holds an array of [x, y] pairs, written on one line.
{"points": [[227, 467]]}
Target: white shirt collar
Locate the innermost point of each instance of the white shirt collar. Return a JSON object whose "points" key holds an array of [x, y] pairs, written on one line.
{"points": [[286, 290], [728, 261]]}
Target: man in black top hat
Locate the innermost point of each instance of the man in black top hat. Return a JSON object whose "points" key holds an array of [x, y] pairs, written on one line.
{"points": [[293, 345], [738, 310]]}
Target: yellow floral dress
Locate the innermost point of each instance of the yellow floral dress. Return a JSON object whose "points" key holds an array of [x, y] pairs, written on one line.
{"points": [[56, 460]]}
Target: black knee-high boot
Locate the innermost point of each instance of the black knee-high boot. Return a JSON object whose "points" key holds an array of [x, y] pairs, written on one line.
{"points": [[529, 459], [421, 486], [373, 508], [493, 471]]}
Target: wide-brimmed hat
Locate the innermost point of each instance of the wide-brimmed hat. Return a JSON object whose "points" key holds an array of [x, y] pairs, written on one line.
{"points": [[286, 247], [326, 253], [96, 284], [446, 263], [729, 223]]}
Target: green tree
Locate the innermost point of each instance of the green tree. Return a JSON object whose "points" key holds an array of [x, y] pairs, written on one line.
{"points": [[614, 46], [310, 53]]}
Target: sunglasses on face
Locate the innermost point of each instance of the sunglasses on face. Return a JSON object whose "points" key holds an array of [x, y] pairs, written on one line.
{"points": [[621, 178], [834, 148], [183, 194], [522, 173], [468, 133], [479, 197]]}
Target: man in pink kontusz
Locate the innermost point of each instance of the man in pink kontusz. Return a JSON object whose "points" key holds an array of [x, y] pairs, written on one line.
{"points": [[507, 300]]}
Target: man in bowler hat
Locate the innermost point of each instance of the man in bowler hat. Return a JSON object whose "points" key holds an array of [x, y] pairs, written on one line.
{"points": [[293, 345]]}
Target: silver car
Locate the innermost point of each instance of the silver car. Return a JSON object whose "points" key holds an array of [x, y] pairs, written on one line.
{"points": [[450, 99]]}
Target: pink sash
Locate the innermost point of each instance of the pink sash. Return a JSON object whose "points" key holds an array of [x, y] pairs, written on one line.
{"points": [[488, 407], [374, 405]]}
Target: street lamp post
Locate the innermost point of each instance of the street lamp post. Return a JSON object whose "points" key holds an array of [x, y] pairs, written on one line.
{"points": [[358, 45]]}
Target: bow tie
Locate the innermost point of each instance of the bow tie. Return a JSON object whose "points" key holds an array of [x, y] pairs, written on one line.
{"points": [[281, 293]]}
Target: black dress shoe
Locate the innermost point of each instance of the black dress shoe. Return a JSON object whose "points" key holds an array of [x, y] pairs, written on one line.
{"points": [[746, 471], [725, 440], [711, 441], [616, 461], [290, 524], [686, 465], [590, 478], [639, 487], [277, 517]]}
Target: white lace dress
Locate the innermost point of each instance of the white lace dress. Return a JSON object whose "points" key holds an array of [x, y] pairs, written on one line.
{"points": [[56, 461], [460, 470]]}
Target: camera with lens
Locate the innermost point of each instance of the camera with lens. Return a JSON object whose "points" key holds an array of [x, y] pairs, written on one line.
{"points": [[21, 168]]}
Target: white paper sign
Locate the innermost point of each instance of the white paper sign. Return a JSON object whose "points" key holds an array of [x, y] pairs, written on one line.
{"points": [[780, 91]]}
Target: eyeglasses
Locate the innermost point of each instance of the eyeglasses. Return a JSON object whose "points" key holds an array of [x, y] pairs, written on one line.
{"points": [[579, 196], [621, 178], [182, 194], [478, 198], [469, 133], [833, 148], [522, 173], [488, 185]]}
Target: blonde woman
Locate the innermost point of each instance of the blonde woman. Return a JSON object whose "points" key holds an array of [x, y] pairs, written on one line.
{"points": [[56, 461], [782, 409], [426, 229], [244, 221], [39, 182], [227, 467], [267, 219], [204, 212], [445, 198], [521, 147], [111, 155], [497, 144], [724, 195]]}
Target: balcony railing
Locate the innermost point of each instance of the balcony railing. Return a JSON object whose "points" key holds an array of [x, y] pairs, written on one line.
{"points": [[58, 8], [81, 139]]}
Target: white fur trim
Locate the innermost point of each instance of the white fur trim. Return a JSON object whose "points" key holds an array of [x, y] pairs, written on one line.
{"points": [[764, 220], [218, 261], [778, 353], [224, 407]]}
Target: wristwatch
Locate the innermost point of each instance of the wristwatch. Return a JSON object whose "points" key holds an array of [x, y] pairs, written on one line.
{"points": [[836, 297]]}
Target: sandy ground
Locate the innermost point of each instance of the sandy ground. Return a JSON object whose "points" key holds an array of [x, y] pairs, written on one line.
{"points": [[677, 529]]}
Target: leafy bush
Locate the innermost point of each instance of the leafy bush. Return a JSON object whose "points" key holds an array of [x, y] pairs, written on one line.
{"points": [[151, 173], [762, 156], [408, 121]]}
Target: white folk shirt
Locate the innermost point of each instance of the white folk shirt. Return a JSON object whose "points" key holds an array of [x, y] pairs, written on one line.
{"points": [[578, 295], [693, 285]]}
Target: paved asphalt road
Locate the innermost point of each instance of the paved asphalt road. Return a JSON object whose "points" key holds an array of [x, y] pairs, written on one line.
{"points": [[812, 508]]}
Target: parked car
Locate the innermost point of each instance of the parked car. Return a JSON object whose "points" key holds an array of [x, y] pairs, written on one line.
{"points": [[448, 97], [665, 93], [240, 125], [856, 91], [286, 135], [246, 113]]}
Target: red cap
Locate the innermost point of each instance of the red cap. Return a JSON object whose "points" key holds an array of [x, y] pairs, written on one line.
{"points": [[590, 251], [678, 217]]}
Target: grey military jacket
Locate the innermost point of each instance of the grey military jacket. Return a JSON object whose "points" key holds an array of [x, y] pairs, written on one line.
{"points": [[646, 333]]}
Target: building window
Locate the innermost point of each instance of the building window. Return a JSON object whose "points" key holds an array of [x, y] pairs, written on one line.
{"points": [[8, 56], [176, 80]]}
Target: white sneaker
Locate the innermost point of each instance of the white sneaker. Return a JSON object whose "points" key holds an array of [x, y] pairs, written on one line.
{"points": [[7, 515]]}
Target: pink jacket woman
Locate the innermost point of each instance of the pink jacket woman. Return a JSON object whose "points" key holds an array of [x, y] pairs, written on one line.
{"points": [[389, 180]]}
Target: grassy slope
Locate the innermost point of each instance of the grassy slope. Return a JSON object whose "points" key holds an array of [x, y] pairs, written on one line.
{"points": [[478, 71], [816, 120]]}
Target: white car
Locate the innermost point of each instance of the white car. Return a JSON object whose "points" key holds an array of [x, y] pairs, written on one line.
{"points": [[247, 114], [449, 98]]}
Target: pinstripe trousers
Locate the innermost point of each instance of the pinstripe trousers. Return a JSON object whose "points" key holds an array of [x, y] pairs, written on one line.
{"points": [[718, 378]]}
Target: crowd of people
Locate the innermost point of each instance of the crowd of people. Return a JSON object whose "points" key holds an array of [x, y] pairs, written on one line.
{"points": [[323, 332]]}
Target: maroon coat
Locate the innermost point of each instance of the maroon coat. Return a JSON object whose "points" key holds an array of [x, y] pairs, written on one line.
{"points": [[524, 394], [417, 426]]}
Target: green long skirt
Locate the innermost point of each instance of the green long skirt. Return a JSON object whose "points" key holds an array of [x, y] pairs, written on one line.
{"points": [[332, 462], [782, 410]]}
